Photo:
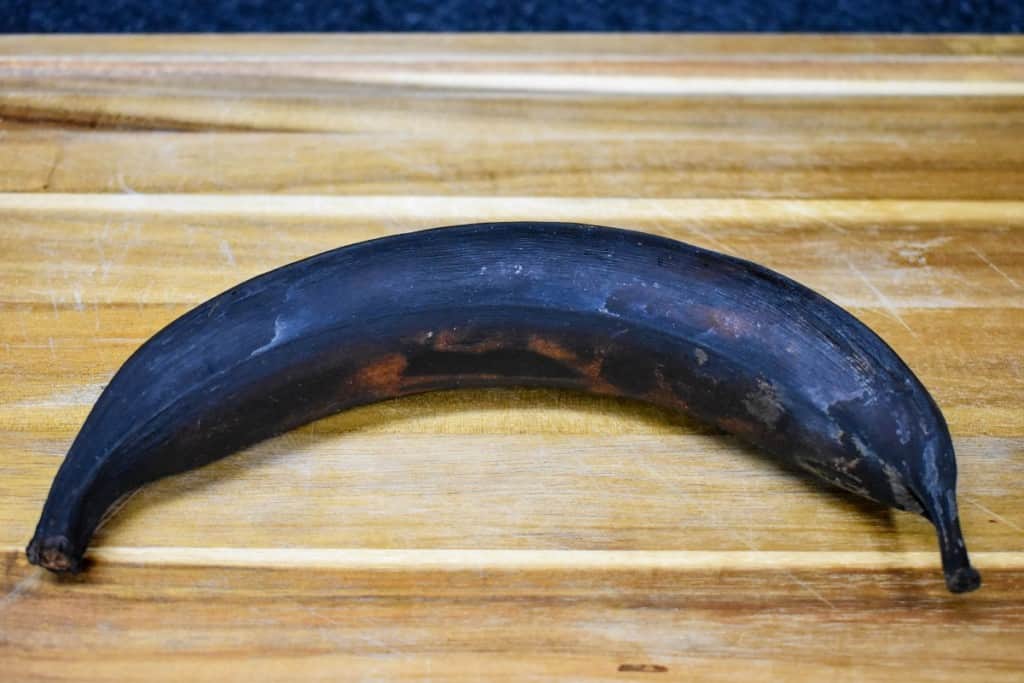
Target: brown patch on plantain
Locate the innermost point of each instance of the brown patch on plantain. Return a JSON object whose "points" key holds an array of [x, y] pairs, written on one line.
{"points": [[589, 369], [382, 377], [663, 394], [552, 349], [464, 342], [734, 425]]}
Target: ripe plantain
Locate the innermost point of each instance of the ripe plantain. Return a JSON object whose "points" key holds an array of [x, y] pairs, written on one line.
{"points": [[583, 307]]}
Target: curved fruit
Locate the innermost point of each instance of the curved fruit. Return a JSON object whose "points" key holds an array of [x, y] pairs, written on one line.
{"points": [[538, 304]]}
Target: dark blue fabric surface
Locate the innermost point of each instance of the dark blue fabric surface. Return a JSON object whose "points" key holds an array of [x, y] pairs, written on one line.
{"points": [[984, 16]]}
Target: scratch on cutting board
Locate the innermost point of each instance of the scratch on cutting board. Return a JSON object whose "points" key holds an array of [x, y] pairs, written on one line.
{"points": [[313, 611], [746, 542], [58, 159], [74, 396], [712, 241], [816, 217], [122, 184], [23, 586], [1016, 285], [225, 250], [882, 298], [992, 513]]}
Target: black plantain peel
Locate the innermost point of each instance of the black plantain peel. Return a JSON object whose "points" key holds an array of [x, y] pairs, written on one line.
{"points": [[582, 307]]}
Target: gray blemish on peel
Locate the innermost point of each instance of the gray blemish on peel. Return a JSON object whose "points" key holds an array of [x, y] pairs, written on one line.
{"points": [[932, 482], [863, 449], [763, 403], [899, 491], [902, 431], [836, 433], [827, 397], [282, 329], [839, 477], [848, 466]]}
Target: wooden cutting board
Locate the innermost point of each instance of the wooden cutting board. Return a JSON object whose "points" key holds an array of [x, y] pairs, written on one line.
{"points": [[510, 535]]}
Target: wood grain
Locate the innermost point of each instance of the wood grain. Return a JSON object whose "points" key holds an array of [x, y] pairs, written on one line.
{"points": [[510, 534], [485, 620], [498, 159]]}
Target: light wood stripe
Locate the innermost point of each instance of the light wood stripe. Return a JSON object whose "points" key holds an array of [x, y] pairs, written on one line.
{"points": [[525, 208], [666, 86], [85, 60], [527, 560]]}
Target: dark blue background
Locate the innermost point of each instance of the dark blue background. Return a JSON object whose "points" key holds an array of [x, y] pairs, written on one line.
{"points": [[985, 16]]}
